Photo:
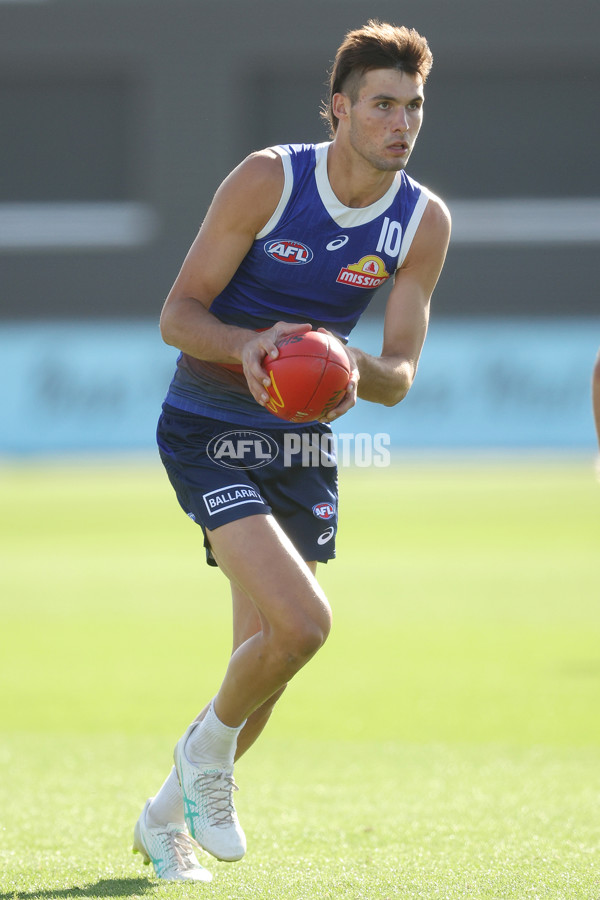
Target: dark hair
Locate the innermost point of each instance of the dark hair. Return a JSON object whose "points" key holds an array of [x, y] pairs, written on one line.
{"points": [[377, 45]]}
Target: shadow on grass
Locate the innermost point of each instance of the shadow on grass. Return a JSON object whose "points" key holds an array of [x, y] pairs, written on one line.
{"points": [[105, 887]]}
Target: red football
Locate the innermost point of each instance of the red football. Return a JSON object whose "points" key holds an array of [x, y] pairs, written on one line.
{"points": [[308, 378]]}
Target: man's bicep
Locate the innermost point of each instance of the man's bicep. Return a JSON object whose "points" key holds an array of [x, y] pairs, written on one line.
{"points": [[406, 318], [407, 311], [210, 264], [242, 205]]}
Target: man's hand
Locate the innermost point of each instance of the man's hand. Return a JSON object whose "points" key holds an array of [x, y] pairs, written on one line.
{"points": [[260, 345], [349, 398]]}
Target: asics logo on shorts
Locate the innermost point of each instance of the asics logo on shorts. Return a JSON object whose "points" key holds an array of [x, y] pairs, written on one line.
{"points": [[326, 536]]}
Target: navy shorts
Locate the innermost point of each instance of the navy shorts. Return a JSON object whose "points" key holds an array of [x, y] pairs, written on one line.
{"points": [[222, 472]]}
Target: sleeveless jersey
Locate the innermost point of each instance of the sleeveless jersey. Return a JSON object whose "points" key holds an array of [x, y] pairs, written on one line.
{"points": [[315, 261]]}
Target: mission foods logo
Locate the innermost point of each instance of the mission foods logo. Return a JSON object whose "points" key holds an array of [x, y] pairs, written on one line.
{"points": [[368, 272], [291, 252]]}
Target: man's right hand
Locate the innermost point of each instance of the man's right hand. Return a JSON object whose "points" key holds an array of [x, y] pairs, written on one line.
{"points": [[260, 345]]}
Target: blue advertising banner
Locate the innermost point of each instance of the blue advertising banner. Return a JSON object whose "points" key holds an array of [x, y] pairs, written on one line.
{"points": [[501, 383]]}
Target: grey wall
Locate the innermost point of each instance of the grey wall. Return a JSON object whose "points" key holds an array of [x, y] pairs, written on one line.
{"points": [[145, 105]]}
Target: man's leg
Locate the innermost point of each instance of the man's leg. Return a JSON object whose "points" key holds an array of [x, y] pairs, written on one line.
{"points": [[246, 623], [167, 805], [291, 621], [292, 611]]}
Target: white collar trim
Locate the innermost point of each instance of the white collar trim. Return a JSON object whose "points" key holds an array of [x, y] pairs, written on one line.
{"points": [[347, 216]]}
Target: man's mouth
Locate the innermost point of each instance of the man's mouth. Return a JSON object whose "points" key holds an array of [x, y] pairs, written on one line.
{"points": [[399, 147]]}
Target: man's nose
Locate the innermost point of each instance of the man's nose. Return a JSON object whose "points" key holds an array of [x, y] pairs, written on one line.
{"points": [[401, 120]]}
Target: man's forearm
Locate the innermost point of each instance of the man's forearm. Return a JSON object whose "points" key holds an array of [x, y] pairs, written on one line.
{"points": [[186, 324], [383, 379]]}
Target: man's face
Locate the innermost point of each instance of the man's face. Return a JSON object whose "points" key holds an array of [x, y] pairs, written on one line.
{"points": [[383, 122]]}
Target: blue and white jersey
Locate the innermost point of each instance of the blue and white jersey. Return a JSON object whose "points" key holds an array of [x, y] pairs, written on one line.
{"points": [[315, 261]]}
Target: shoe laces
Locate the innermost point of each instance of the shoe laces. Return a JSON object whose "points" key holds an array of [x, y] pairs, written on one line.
{"points": [[179, 850], [217, 789]]}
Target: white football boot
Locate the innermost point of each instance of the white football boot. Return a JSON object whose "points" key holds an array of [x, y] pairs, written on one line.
{"points": [[208, 805], [170, 850]]}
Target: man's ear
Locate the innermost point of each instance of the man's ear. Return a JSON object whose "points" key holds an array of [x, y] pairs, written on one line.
{"points": [[340, 105]]}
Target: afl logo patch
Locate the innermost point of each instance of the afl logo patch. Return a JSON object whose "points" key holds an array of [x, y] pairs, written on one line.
{"points": [[324, 510], [291, 252]]}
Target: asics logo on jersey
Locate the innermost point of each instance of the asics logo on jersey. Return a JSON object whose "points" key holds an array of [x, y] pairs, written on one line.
{"points": [[368, 272], [338, 243], [291, 252]]}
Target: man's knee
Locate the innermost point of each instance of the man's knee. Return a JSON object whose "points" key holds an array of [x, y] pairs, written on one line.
{"points": [[312, 634], [300, 637]]}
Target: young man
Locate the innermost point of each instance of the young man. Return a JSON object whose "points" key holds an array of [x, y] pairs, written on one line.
{"points": [[297, 237]]}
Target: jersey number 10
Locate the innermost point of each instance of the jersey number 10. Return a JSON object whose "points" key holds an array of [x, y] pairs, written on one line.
{"points": [[390, 237]]}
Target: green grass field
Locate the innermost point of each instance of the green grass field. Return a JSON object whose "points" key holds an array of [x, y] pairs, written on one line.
{"points": [[445, 743]]}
